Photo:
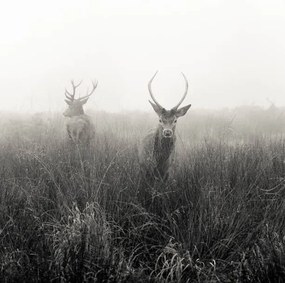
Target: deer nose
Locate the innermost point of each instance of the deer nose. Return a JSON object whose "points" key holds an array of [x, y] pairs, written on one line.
{"points": [[167, 133]]}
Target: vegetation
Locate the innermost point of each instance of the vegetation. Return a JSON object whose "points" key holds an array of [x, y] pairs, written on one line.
{"points": [[69, 214]]}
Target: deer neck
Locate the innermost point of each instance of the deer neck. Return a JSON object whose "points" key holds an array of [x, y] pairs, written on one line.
{"points": [[163, 147], [79, 112]]}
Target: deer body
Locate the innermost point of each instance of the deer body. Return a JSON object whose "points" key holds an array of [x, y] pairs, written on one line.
{"points": [[157, 148], [156, 154], [79, 126], [80, 129]]}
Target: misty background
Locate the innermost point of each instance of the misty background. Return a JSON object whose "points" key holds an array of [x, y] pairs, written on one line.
{"points": [[232, 52]]}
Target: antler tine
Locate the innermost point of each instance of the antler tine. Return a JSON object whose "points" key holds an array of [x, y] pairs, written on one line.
{"points": [[185, 93], [150, 90], [74, 87], [68, 95], [94, 86]]}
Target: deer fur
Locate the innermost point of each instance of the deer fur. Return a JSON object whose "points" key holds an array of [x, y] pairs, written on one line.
{"points": [[79, 126], [156, 150]]}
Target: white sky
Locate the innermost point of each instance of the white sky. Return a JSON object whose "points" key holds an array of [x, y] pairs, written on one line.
{"points": [[233, 52]]}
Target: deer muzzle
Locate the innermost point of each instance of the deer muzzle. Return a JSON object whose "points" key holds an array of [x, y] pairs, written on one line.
{"points": [[167, 133]]}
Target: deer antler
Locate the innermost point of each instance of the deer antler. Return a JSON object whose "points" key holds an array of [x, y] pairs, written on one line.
{"points": [[184, 95], [179, 103], [94, 85], [69, 95], [150, 90]]}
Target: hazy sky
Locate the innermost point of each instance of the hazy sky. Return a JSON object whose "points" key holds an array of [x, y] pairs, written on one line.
{"points": [[233, 52]]}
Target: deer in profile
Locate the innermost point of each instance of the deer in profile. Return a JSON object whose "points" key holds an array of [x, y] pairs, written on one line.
{"points": [[79, 126], [157, 148]]}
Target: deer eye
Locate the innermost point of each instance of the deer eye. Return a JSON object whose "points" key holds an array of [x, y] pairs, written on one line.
{"points": [[160, 121], [175, 121]]}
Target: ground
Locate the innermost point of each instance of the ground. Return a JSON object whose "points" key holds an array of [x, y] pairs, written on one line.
{"points": [[74, 215]]}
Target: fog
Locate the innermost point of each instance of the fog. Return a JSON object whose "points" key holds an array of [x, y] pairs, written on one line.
{"points": [[232, 52]]}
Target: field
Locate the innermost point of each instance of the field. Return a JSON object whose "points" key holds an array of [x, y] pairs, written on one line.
{"points": [[73, 215]]}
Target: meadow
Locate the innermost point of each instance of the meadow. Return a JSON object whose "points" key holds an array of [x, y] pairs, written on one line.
{"points": [[73, 215]]}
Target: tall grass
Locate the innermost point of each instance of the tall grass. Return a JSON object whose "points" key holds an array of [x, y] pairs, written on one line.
{"points": [[74, 215]]}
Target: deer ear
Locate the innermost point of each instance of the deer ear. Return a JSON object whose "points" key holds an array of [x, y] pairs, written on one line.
{"points": [[68, 101], [156, 108], [83, 101], [182, 111]]}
